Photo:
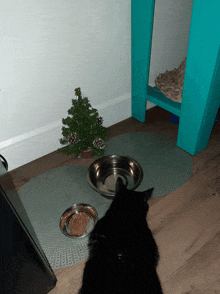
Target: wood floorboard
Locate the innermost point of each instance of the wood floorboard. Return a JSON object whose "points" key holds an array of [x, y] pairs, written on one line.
{"points": [[185, 223]]}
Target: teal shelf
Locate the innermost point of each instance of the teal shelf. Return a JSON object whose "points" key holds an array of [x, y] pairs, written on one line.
{"points": [[159, 99], [201, 90]]}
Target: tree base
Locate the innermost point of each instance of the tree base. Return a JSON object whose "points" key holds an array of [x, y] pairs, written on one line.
{"points": [[87, 153]]}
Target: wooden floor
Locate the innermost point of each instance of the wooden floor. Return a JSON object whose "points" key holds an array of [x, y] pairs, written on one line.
{"points": [[185, 223]]}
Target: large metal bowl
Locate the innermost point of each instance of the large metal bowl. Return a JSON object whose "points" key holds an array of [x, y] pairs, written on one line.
{"points": [[103, 174], [78, 220]]}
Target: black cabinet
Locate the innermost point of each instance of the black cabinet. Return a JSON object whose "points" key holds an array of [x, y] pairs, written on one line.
{"points": [[24, 266]]}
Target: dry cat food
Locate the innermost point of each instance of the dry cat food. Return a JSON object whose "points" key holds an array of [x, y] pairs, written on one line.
{"points": [[78, 223]]}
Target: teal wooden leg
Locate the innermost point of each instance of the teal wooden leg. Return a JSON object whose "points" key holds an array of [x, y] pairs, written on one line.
{"points": [[142, 14], [139, 108], [139, 89], [201, 91]]}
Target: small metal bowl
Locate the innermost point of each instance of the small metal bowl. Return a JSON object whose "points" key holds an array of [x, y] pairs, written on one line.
{"points": [[103, 174], [78, 220]]}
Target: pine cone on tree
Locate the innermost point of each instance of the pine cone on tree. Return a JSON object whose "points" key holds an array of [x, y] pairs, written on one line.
{"points": [[73, 138], [99, 143], [99, 120]]}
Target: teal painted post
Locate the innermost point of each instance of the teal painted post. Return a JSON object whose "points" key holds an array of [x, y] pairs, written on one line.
{"points": [[142, 14], [201, 90]]}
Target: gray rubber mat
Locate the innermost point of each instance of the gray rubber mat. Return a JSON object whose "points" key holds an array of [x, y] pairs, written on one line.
{"points": [[46, 197], [166, 167]]}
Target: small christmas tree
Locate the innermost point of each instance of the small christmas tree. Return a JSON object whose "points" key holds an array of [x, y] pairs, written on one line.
{"points": [[84, 128]]}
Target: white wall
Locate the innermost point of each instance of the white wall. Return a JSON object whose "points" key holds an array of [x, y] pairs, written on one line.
{"points": [[48, 48], [170, 36], [52, 47]]}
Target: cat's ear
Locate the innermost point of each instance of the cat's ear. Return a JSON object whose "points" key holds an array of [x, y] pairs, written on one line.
{"points": [[119, 185], [148, 193]]}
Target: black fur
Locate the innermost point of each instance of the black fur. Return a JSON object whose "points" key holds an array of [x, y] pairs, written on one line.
{"points": [[123, 254]]}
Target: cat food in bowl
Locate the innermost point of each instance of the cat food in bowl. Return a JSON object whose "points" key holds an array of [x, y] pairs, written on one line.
{"points": [[78, 221], [103, 174]]}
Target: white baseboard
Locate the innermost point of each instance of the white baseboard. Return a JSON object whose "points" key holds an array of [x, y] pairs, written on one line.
{"points": [[39, 142], [42, 141]]}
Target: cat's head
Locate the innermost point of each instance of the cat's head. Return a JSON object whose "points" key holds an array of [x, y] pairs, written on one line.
{"points": [[130, 196]]}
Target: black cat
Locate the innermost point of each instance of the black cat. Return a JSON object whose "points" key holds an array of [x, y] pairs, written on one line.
{"points": [[123, 254]]}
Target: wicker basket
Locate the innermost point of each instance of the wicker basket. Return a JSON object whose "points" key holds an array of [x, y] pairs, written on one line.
{"points": [[170, 83]]}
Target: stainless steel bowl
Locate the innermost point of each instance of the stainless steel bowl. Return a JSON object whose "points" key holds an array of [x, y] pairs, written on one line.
{"points": [[78, 220], [103, 174]]}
